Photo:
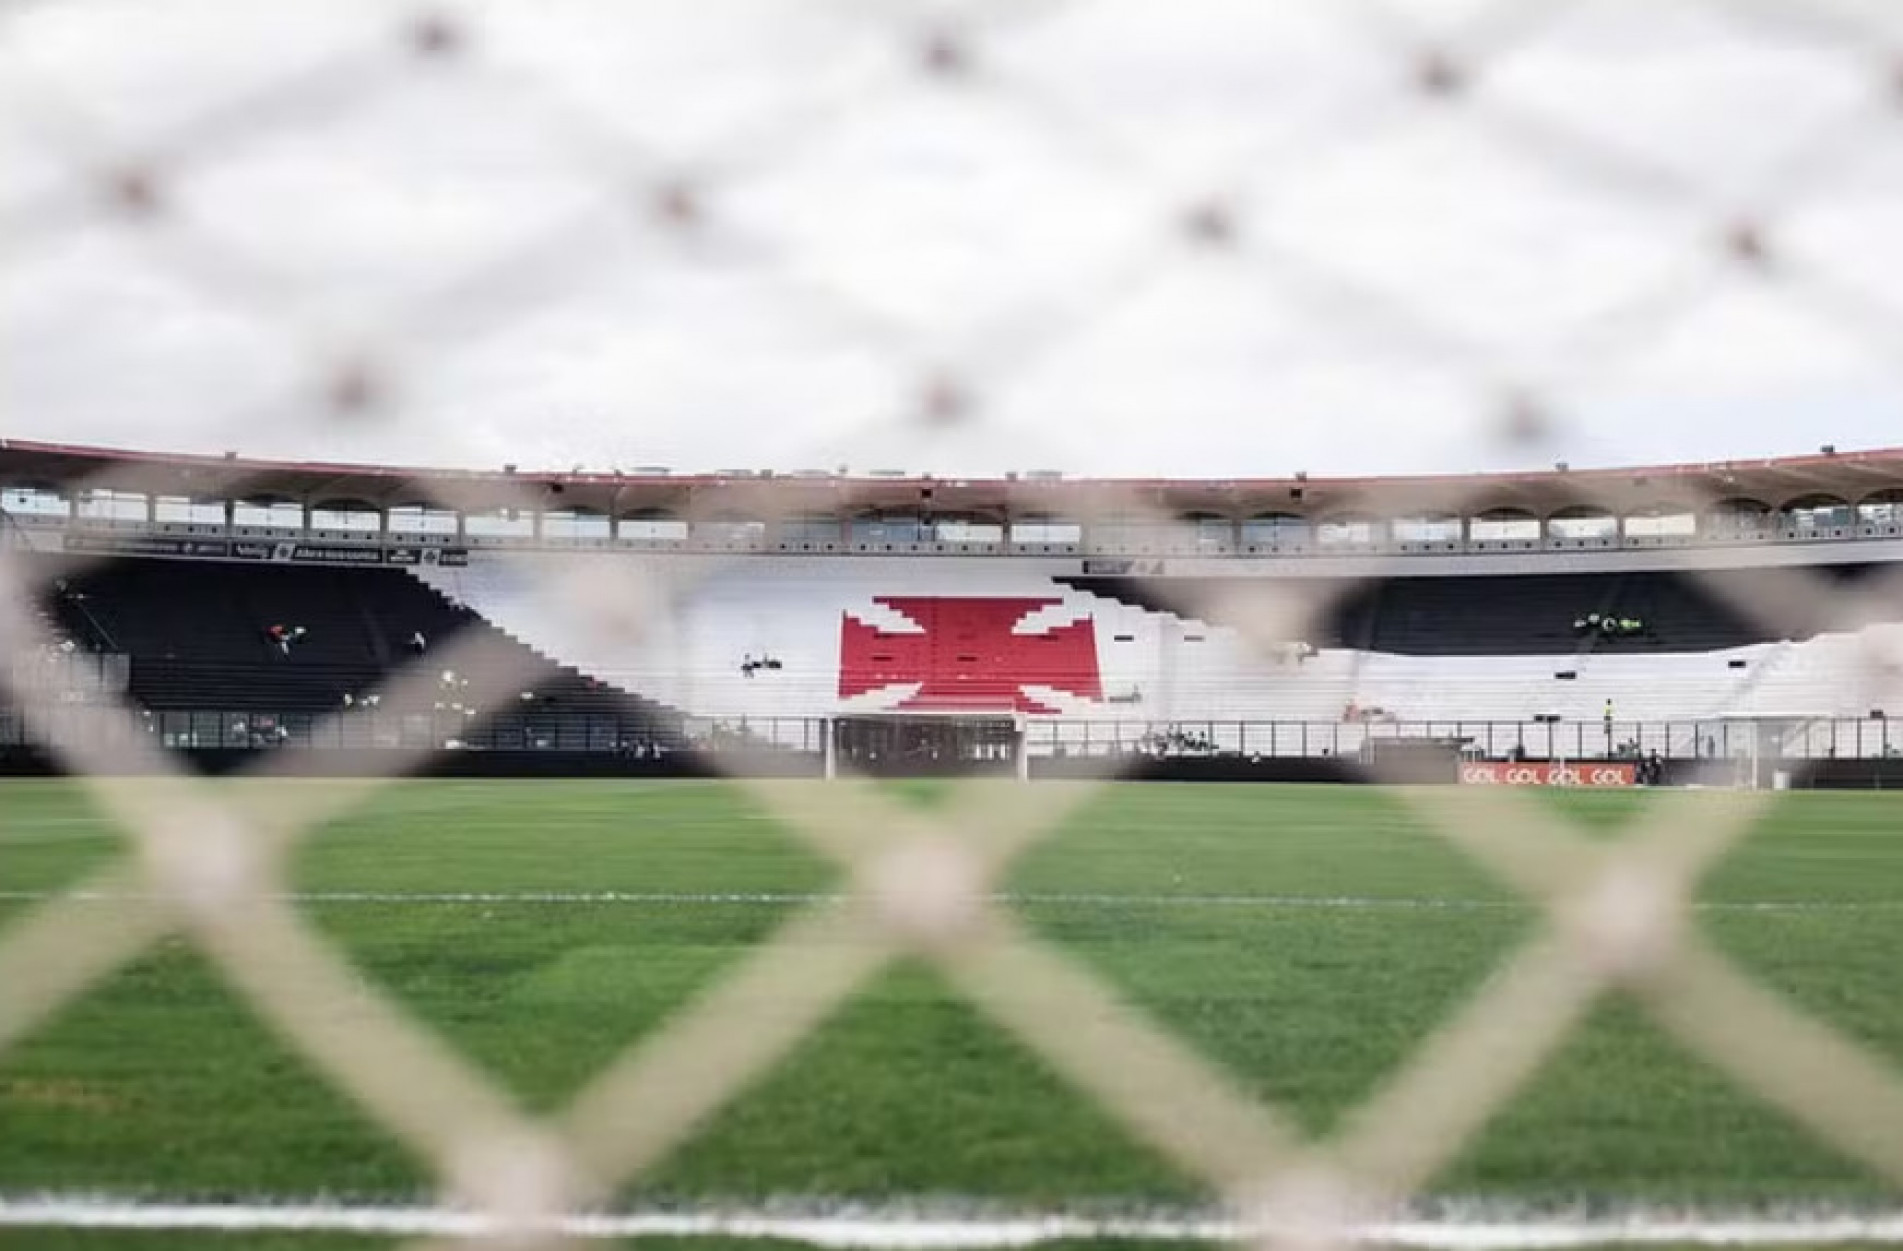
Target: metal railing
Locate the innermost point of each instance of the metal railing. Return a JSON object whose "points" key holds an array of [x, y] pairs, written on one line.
{"points": [[643, 737], [205, 540]]}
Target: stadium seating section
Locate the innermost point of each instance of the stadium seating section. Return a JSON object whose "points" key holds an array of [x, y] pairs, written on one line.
{"points": [[882, 634], [197, 633], [1525, 615]]}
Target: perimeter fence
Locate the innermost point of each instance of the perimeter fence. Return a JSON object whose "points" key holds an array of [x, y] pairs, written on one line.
{"points": [[938, 231]]}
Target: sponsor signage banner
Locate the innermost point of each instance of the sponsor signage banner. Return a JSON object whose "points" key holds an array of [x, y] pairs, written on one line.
{"points": [[144, 545], [1542, 773], [428, 555], [1100, 567], [290, 552], [332, 554]]}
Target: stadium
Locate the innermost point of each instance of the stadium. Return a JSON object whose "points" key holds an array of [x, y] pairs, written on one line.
{"points": [[298, 621], [1298, 656], [1264, 630]]}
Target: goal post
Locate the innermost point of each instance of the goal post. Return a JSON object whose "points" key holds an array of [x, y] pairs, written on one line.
{"points": [[927, 744], [1750, 753]]}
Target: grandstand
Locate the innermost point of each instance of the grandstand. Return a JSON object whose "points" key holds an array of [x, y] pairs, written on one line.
{"points": [[1273, 625]]}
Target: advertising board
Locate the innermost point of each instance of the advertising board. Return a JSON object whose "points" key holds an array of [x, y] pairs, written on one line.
{"points": [[1544, 773]]}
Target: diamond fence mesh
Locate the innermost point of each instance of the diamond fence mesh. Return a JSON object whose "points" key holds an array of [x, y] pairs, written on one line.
{"points": [[937, 231]]}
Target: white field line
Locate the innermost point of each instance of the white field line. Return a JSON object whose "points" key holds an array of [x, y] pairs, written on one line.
{"points": [[787, 899], [870, 1229], [34, 823]]}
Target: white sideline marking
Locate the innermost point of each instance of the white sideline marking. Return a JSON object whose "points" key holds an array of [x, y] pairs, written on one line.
{"points": [[897, 1230], [780, 899]]}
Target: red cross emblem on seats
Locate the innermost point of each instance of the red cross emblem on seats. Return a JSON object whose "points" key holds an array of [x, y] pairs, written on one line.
{"points": [[968, 654]]}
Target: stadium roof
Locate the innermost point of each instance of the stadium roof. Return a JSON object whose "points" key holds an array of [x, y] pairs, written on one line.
{"points": [[1851, 476]]}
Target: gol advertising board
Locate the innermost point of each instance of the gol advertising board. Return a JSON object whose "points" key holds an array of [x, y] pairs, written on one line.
{"points": [[1542, 773]]}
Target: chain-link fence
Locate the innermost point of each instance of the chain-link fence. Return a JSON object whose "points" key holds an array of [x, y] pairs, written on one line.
{"points": [[1065, 233]]}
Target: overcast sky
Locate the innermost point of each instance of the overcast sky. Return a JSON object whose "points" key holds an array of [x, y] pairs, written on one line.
{"points": [[771, 233]]}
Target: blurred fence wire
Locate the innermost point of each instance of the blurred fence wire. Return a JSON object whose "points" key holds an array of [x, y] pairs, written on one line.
{"points": [[950, 232]]}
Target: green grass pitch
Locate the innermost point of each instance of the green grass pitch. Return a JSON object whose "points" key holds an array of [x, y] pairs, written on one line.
{"points": [[160, 1084]]}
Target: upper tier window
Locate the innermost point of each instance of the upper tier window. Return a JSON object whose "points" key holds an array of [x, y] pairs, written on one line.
{"points": [[268, 514], [356, 519], [104, 504], [1046, 530], [180, 510], [34, 502], [421, 519], [576, 525], [954, 530], [655, 529], [1504, 528], [1661, 525], [1427, 529], [503, 523], [1348, 532], [1583, 526]]}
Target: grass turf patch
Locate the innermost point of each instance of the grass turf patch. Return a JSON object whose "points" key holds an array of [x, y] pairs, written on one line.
{"points": [[159, 1082]]}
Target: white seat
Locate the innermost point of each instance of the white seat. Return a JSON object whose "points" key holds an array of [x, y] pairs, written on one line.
{"points": [[697, 618]]}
